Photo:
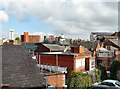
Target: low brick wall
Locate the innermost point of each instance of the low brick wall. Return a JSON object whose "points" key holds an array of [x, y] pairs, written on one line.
{"points": [[57, 80]]}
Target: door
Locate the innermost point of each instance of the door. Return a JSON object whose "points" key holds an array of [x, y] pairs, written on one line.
{"points": [[87, 62]]}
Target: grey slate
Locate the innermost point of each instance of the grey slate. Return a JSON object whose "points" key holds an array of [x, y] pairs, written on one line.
{"points": [[19, 69], [55, 47], [89, 45]]}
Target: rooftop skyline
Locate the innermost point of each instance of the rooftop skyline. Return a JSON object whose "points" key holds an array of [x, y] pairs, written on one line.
{"points": [[74, 19]]}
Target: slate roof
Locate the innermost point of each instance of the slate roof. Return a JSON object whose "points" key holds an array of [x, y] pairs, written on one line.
{"points": [[116, 42], [89, 45], [102, 33], [19, 69], [55, 47]]}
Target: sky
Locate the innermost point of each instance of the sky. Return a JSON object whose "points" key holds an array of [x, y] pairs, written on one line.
{"points": [[73, 18]]}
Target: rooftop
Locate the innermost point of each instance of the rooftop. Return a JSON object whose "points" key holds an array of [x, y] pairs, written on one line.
{"points": [[19, 69], [55, 47], [89, 45]]}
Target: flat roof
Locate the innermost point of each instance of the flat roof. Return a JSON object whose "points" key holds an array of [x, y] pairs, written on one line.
{"points": [[63, 53]]}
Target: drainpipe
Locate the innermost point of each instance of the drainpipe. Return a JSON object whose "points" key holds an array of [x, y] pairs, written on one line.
{"points": [[56, 62], [56, 67]]}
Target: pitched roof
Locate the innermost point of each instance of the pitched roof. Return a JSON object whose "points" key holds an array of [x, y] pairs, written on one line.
{"points": [[116, 42], [89, 45], [19, 69], [55, 47], [102, 33]]}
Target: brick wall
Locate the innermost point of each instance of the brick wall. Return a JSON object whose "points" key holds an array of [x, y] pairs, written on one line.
{"points": [[63, 61], [34, 38], [42, 48], [29, 38], [78, 49], [57, 80]]}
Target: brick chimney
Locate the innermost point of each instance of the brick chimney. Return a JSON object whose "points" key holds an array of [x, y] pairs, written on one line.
{"points": [[26, 37], [77, 49], [44, 38], [81, 49]]}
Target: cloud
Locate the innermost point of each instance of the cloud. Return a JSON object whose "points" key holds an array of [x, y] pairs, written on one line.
{"points": [[68, 16], [3, 17]]}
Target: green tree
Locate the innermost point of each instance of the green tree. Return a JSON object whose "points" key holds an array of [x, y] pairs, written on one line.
{"points": [[79, 80], [103, 72], [18, 39], [46, 42], [75, 42], [114, 68]]}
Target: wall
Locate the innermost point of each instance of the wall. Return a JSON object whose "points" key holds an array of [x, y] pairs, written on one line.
{"points": [[77, 49], [42, 48], [57, 80], [34, 38], [29, 38], [80, 65], [68, 61], [63, 61]]}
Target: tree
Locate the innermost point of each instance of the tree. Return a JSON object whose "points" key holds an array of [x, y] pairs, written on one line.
{"points": [[46, 42], [114, 68], [79, 80], [103, 72], [18, 39]]}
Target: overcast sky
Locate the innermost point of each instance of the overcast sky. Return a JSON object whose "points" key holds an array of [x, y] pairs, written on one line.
{"points": [[73, 18]]}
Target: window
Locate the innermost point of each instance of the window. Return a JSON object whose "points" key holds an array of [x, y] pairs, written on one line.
{"points": [[103, 83], [107, 83], [117, 83], [110, 84]]}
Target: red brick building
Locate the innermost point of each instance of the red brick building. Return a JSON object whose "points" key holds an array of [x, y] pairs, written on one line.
{"points": [[30, 38], [79, 61]]}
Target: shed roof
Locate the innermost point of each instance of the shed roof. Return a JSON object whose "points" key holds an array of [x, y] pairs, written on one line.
{"points": [[55, 47]]}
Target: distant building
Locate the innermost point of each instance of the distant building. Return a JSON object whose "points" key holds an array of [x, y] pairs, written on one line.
{"points": [[57, 40], [1, 42], [30, 38], [98, 35], [113, 45], [11, 34]]}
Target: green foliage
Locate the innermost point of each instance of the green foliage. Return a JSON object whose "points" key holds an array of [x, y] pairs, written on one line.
{"points": [[79, 81], [18, 39], [103, 72], [48, 42], [75, 42], [97, 76], [114, 68]]}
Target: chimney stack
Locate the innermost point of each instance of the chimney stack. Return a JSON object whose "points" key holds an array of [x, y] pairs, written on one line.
{"points": [[44, 38]]}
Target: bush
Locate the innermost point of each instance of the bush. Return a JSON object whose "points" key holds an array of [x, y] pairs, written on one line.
{"points": [[79, 81], [114, 68], [103, 72]]}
